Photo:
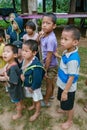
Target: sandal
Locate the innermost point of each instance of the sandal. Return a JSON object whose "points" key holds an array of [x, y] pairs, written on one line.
{"points": [[85, 108]]}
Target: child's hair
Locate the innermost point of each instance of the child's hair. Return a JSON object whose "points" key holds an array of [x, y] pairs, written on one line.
{"points": [[18, 44], [75, 31], [51, 15], [32, 44], [31, 24], [2, 33], [14, 50], [13, 47]]}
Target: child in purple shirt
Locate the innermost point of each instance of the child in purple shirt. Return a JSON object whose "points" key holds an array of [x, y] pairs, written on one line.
{"points": [[48, 47]]}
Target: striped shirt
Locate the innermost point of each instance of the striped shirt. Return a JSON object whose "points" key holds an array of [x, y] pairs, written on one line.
{"points": [[69, 66]]}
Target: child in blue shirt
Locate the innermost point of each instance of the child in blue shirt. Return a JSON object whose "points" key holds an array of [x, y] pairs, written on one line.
{"points": [[68, 72], [32, 76]]}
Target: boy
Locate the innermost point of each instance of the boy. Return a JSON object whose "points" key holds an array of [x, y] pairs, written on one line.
{"points": [[68, 72], [48, 47], [32, 76]]}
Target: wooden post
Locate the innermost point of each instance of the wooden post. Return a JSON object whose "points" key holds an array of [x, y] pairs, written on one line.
{"points": [[44, 5], [72, 10], [24, 6], [54, 5], [32, 6]]}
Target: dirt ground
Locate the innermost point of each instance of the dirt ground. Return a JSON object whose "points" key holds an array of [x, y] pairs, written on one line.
{"points": [[5, 118]]}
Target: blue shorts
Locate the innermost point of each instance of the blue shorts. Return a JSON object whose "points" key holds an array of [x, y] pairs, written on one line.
{"points": [[69, 103]]}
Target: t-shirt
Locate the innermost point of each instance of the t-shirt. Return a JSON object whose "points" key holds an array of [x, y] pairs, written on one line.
{"points": [[27, 37], [49, 44], [69, 66]]}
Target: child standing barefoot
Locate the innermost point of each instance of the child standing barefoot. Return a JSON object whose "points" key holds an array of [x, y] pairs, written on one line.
{"points": [[12, 75], [32, 76], [68, 72]]}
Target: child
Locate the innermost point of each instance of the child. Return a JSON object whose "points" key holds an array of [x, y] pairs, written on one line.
{"points": [[68, 72], [10, 27], [12, 75], [18, 30], [31, 34], [48, 47], [2, 44], [33, 72], [19, 57], [30, 28]]}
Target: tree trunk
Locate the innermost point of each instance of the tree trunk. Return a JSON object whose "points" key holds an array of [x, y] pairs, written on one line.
{"points": [[24, 6], [72, 10], [32, 6]]}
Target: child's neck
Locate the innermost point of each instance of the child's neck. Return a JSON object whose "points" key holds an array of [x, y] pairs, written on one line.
{"points": [[31, 35], [71, 49]]}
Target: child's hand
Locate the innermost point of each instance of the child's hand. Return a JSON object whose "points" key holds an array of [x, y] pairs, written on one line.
{"points": [[57, 55], [22, 77], [7, 36], [41, 34], [64, 96], [6, 76], [30, 89]]}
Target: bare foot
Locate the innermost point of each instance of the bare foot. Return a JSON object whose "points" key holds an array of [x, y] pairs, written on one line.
{"points": [[16, 116], [60, 111], [66, 125], [31, 108], [34, 117]]}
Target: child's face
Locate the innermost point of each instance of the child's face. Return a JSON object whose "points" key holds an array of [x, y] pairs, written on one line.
{"points": [[67, 40], [8, 54], [15, 26], [11, 17], [29, 30], [27, 54], [47, 25]]}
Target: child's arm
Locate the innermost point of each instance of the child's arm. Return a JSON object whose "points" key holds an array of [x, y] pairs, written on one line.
{"points": [[64, 95], [48, 60], [4, 77]]}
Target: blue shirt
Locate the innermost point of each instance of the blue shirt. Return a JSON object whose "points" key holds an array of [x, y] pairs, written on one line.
{"points": [[69, 66]]}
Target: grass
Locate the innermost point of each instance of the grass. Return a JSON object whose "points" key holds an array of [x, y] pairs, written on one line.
{"points": [[45, 121]]}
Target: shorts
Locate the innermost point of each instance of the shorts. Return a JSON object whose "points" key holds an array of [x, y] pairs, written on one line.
{"points": [[68, 104], [52, 72], [36, 95]]}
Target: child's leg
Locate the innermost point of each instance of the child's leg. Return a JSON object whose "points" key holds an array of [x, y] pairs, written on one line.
{"points": [[18, 110], [37, 112], [32, 107], [69, 121], [49, 83]]}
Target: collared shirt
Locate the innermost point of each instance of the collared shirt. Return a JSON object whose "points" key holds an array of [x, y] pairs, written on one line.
{"points": [[69, 66]]}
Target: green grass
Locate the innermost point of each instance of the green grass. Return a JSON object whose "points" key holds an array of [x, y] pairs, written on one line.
{"points": [[83, 56]]}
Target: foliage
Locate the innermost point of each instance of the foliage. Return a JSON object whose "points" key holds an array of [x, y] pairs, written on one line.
{"points": [[61, 6], [9, 4]]}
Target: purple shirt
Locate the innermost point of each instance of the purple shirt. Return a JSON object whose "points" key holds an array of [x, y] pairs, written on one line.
{"points": [[49, 44]]}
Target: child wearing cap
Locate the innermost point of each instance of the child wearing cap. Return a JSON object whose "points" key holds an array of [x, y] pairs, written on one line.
{"points": [[19, 46]]}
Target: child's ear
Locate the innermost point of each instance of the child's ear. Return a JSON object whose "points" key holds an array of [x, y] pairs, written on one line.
{"points": [[54, 26], [15, 55], [76, 42]]}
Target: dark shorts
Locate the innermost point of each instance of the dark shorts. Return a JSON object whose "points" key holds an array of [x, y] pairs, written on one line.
{"points": [[68, 104]]}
